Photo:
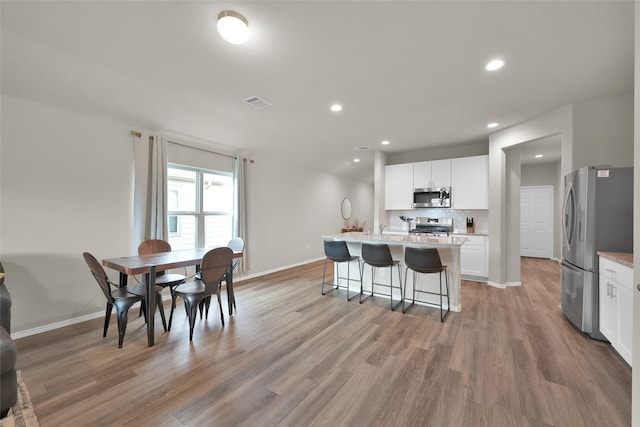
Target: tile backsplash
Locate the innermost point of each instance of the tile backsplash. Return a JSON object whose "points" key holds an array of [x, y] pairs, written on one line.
{"points": [[480, 218]]}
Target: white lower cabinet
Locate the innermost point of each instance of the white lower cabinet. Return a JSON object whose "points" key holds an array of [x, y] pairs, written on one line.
{"points": [[616, 306], [473, 258]]}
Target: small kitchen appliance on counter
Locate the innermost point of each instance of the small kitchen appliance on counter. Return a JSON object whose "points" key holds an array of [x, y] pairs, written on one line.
{"points": [[433, 226]]}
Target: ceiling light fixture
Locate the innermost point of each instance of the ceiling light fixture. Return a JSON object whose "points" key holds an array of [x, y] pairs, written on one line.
{"points": [[356, 160], [336, 107], [233, 27], [385, 142], [494, 64], [538, 156], [492, 125]]}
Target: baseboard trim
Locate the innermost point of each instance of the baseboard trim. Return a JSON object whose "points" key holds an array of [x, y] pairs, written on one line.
{"points": [[497, 285], [518, 283], [91, 316]]}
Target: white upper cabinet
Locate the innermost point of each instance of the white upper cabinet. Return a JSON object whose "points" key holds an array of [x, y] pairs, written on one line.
{"points": [[433, 174], [470, 182], [398, 186]]}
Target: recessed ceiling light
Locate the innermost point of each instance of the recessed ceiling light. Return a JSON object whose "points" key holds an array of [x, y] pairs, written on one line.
{"points": [[492, 125], [494, 64], [356, 160], [336, 107], [385, 142], [537, 156]]}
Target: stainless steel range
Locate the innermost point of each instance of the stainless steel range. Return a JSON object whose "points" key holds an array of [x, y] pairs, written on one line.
{"points": [[433, 226]]}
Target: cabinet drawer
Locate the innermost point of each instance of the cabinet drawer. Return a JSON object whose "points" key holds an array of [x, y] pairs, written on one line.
{"points": [[617, 272]]}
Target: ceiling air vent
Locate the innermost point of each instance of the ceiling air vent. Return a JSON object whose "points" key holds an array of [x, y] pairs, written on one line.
{"points": [[361, 148], [259, 103]]}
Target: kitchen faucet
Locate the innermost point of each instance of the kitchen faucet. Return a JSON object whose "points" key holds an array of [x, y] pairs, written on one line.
{"points": [[382, 226]]}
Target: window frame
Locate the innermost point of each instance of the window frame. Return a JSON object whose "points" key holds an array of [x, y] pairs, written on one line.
{"points": [[200, 214]]}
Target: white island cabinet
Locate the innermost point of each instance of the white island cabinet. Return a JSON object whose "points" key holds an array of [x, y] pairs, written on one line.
{"points": [[616, 304], [473, 258], [448, 248], [470, 182], [398, 186]]}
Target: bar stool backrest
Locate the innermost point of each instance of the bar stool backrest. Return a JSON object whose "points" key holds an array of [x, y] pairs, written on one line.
{"points": [[337, 250], [423, 260], [377, 255]]}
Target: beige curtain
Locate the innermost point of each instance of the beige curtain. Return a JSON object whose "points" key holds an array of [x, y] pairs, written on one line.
{"points": [[240, 206], [150, 192]]}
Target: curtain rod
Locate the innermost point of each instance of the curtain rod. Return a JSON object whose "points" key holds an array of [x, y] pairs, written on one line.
{"points": [[139, 135]]}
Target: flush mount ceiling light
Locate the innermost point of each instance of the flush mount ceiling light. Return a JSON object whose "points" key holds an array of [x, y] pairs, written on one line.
{"points": [[494, 64], [233, 27], [385, 142], [356, 160], [492, 125], [538, 156], [336, 108]]}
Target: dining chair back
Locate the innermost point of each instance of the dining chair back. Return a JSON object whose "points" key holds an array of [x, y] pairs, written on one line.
{"points": [[154, 246], [120, 297]]}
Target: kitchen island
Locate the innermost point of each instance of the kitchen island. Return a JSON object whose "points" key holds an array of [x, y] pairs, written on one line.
{"points": [[448, 248]]}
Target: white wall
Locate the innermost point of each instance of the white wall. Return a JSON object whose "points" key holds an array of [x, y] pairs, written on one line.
{"points": [[603, 132], [67, 187]]}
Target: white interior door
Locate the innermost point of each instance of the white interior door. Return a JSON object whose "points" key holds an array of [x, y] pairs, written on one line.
{"points": [[536, 221]]}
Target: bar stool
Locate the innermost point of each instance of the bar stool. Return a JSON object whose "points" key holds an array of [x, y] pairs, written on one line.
{"points": [[425, 261], [338, 252], [379, 255]]}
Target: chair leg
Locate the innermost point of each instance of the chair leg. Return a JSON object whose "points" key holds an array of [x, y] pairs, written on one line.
{"points": [[220, 306], [107, 317], [173, 307], [123, 315], [324, 274], [161, 310], [192, 309]]}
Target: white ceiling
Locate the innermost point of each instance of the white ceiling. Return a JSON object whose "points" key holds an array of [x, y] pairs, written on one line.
{"points": [[411, 72]]}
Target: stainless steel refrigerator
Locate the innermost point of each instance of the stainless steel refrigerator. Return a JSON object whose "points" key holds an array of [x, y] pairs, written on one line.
{"points": [[597, 216]]}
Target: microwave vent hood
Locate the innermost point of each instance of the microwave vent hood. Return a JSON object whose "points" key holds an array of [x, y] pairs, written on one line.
{"points": [[439, 197]]}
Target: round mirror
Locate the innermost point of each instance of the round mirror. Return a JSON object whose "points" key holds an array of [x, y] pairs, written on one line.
{"points": [[345, 208]]}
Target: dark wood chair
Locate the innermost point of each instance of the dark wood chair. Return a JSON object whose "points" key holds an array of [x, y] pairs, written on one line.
{"points": [[164, 279], [236, 245], [214, 266], [122, 298]]}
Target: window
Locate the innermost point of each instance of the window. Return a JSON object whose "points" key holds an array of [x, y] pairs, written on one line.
{"points": [[200, 205]]}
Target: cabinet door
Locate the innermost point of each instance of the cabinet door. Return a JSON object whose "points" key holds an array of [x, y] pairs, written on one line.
{"points": [[470, 182], [473, 257], [398, 186], [422, 175], [608, 317], [624, 300], [441, 173]]}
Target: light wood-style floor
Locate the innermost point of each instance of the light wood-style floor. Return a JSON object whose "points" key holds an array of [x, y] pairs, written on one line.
{"points": [[293, 357]]}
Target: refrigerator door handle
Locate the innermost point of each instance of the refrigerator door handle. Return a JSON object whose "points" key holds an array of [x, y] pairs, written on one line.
{"points": [[565, 225]]}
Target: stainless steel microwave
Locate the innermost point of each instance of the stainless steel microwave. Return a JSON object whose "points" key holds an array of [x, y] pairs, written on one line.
{"points": [[432, 197]]}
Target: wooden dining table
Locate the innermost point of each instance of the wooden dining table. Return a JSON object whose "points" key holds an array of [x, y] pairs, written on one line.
{"points": [[149, 264]]}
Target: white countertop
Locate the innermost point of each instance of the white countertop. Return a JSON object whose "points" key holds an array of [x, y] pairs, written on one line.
{"points": [[400, 239]]}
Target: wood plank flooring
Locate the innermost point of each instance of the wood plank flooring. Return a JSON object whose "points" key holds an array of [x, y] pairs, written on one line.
{"points": [[292, 357]]}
